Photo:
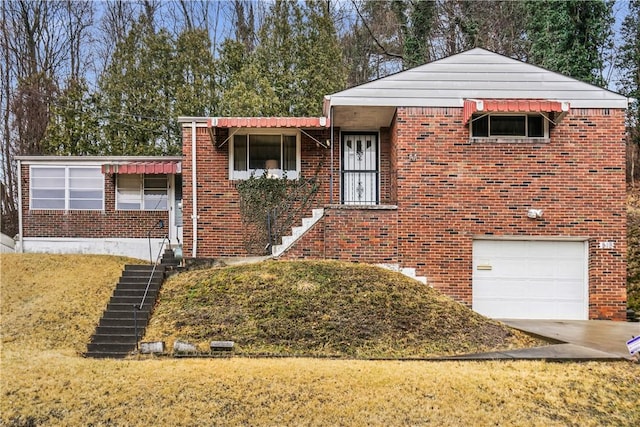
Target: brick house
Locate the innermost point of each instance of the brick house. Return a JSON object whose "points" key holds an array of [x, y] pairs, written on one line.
{"points": [[497, 182], [101, 205]]}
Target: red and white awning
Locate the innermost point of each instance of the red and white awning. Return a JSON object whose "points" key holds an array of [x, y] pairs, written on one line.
{"points": [[472, 106], [269, 122], [130, 168]]}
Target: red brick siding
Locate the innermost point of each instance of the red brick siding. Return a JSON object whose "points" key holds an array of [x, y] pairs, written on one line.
{"points": [[110, 223], [386, 192], [219, 222], [450, 190], [351, 234]]}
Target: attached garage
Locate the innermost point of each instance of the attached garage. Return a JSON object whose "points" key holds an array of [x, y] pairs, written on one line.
{"points": [[531, 279]]}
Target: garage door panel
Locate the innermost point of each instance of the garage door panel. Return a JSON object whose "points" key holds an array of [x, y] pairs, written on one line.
{"points": [[539, 288], [545, 308], [530, 279]]}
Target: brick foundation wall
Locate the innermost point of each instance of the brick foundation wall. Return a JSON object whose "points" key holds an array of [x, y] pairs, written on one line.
{"points": [[110, 223], [366, 234], [450, 190]]}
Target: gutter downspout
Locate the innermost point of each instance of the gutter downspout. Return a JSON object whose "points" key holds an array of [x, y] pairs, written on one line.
{"points": [[331, 148], [20, 235], [194, 191]]}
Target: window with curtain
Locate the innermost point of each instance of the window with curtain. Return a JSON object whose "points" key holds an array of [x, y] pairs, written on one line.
{"points": [[253, 154], [142, 192]]}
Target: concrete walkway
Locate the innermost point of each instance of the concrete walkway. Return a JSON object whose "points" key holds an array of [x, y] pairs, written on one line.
{"points": [[576, 340]]}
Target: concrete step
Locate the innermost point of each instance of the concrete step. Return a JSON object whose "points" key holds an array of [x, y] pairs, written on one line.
{"points": [[125, 306], [111, 347], [125, 314], [132, 299], [308, 222], [117, 339], [141, 267], [297, 232], [287, 240], [139, 276], [138, 292], [107, 354], [407, 271], [120, 322], [139, 284], [128, 330]]}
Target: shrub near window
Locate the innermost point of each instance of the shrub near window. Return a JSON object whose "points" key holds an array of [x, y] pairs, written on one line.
{"points": [[269, 206]]}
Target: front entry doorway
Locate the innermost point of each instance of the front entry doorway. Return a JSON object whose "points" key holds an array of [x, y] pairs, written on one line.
{"points": [[359, 169]]}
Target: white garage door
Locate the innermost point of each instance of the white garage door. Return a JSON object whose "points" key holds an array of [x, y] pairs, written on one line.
{"points": [[515, 279]]}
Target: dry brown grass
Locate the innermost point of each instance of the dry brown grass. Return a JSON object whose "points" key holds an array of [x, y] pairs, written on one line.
{"points": [[55, 389], [55, 301], [322, 308], [44, 382]]}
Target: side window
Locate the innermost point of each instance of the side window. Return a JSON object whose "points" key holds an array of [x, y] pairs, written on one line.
{"points": [[66, 188], [155, 193], [509, 126], [142, 192], [128, 192], [48, 188], [256, 153]]}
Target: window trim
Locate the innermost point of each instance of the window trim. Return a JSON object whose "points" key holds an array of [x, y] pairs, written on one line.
{"points": [[141, 193], [67, 187], [510, 138], [242, 175]]}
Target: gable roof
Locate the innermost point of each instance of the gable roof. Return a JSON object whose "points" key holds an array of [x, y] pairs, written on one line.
{"points": [[476, 73]]}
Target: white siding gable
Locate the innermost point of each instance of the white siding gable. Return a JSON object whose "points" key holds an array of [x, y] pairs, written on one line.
{"points": [[476, 73]]}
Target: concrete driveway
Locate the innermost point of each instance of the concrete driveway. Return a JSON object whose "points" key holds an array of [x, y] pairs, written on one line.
{"points": [[600, 335], [574, 340]]}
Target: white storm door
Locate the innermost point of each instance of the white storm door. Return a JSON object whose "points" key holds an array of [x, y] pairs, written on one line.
{"points": [[360, 169]]}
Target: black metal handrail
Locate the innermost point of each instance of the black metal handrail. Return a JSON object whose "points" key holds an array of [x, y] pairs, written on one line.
{"points": [[137, 307], [165, 238]]}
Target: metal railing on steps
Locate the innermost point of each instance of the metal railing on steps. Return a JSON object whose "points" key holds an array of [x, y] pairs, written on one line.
{"points": [[138, 307]]}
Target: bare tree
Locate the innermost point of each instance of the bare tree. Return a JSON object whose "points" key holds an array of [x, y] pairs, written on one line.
{"points": [[117, 19], [80, 18], [41, 44]]}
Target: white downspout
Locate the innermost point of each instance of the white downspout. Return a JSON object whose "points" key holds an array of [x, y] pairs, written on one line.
{"points": [[331, 148], [19, 244], [194, 191]]}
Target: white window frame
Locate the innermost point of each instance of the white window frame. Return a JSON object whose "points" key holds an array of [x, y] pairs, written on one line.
{"points": [[67, 187], [509, 138], [241, 175], [139, 195]]}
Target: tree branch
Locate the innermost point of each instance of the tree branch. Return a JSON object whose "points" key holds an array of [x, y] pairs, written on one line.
{"points": [[384, 51]]}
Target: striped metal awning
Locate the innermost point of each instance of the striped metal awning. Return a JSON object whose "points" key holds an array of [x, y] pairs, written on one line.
{"points": [[472, 106], [269, 122], [129, 168]]}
